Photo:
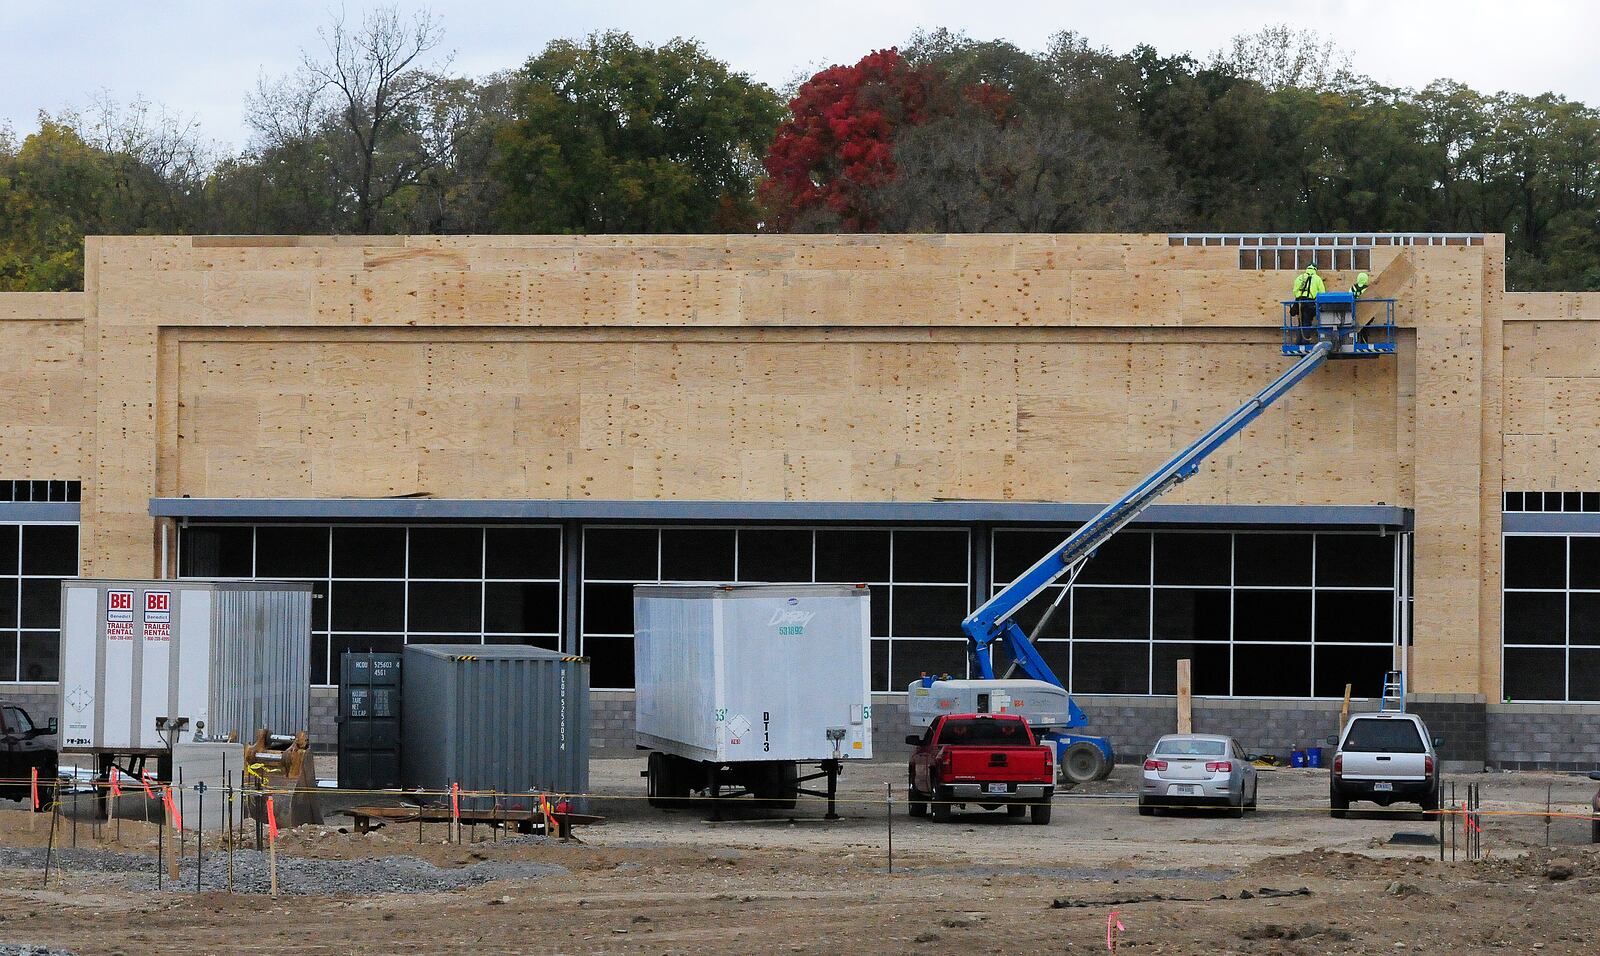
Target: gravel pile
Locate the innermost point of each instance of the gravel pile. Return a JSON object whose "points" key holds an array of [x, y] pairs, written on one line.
{"points": [[296, 875]]}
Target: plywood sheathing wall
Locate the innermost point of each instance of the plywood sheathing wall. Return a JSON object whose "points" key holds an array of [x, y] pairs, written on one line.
{"points": [[43, 414], [872, 368]]}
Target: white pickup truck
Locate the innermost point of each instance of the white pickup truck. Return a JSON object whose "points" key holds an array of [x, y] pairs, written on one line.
{"points": [[1384, 758]]}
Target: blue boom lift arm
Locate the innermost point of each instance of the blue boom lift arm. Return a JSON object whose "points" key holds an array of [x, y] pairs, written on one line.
{"points": [[995, 623], [1329, 329]]}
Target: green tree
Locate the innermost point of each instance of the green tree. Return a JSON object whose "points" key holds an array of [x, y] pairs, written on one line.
{"points": [[613, 136]]}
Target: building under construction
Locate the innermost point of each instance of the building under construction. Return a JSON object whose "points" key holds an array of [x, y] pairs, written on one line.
{"points": [[492, 439]]}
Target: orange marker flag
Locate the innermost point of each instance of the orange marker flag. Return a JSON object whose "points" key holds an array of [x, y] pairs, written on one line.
{"points": [[144, 778], [172, 809], [1113, 931], [455, 800], [116, 789], [272, 821], [36, 788]]}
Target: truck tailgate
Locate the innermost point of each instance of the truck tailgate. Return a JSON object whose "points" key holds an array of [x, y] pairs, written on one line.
{"points": [[1001, 764], [1376, 766]]}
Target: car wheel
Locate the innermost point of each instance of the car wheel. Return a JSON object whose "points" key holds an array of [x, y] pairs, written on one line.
{"points": [[941, 806], [1082, 763], [1237, 812], [1016, 810], [1146, 810], [1039, 813], [917, 805], [1255, 794]]}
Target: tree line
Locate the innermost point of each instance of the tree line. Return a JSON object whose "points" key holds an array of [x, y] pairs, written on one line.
{"points": [[374, 133]]}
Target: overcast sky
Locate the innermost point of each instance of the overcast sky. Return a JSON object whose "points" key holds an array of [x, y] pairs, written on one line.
{"points": [[199, 59]]}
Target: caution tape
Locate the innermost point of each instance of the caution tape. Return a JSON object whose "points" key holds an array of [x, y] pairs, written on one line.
{"points": [[551, 798]]}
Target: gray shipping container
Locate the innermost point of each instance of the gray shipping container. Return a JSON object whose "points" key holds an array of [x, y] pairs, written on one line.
{"points": [[494, 717], [234, 656]]}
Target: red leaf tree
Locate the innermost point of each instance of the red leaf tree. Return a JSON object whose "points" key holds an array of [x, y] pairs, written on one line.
{"points": [[837, 145]]}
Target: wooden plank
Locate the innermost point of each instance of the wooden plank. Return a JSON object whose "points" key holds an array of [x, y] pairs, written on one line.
{"points": [[1185, 698]]}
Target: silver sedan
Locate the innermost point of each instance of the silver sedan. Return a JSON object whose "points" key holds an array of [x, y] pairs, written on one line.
{"points": [[1204, 770]]}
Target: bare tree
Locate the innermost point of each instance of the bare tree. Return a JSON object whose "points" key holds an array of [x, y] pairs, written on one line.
{"points": [[1279, 56], [367, 94]]}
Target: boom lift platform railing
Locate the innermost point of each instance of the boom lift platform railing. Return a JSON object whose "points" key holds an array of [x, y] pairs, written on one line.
{"points": [[1330, 326]]}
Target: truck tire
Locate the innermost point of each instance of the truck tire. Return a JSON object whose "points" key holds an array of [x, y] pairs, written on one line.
{"points": [[1338, 804], [1039, 813], [654, 776], [1016, 811], [1082, 763], [941, 806], [1594, 832], [917, 804]]}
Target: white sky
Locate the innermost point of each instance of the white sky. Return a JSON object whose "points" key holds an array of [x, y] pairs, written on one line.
{"points": [[199, 59]]}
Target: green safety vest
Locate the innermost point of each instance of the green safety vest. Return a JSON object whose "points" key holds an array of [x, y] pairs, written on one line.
{"points": [[1308, 285]]}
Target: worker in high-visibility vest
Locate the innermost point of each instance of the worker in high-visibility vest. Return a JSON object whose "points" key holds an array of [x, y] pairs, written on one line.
{"points": [[1307, 286], [1360, 288]]}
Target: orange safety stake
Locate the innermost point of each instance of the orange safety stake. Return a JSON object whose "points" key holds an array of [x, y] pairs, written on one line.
{"points": [[272, 821], [1113, 931], [36, 788], [144, 778], [172, 809], [116, 790]]}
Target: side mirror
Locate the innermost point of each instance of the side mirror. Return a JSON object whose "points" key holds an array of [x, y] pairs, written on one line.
{"points": [[914, 740], [1438, 742], [1333, 741]]}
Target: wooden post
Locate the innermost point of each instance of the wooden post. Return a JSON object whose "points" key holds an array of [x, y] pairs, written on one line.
{"points": [[1344, 713], [1185, 699]]}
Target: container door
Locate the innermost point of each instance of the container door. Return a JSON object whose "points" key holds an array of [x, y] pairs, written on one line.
{"points": [[369, 721], [793, 676]]}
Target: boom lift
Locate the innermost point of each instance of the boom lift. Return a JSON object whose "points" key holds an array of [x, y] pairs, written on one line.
{"points": [[1332, 330]]}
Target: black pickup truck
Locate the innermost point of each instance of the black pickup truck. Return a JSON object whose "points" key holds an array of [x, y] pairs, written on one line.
{"points": [[24, 745]]}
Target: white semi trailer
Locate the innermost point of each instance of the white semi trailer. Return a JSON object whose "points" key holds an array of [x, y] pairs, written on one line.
{"points": [[742, 687]]}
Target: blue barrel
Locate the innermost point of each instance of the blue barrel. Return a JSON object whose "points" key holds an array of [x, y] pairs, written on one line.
{"points": [[1297, 758], [1313, 756]]}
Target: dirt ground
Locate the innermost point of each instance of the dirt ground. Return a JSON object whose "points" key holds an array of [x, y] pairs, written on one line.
{"points": [[679, 882]]}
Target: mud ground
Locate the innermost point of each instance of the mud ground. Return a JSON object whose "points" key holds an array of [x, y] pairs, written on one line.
{"points": [[682, 882]]}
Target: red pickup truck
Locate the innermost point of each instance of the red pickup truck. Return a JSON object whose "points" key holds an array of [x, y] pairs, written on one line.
{"points": [[991, 760]]}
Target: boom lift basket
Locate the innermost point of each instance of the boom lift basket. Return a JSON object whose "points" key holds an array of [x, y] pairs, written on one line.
{"points": [[1358, 327]]}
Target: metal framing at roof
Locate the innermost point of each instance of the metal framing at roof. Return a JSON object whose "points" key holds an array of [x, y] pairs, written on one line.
{"points": [[1385, 517], [1329, 239]]}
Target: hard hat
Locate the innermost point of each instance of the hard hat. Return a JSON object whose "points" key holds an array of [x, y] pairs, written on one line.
{"points": [[1361, 279]]}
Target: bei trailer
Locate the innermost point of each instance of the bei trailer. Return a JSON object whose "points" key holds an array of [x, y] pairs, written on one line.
{"points": [[739, 687]]}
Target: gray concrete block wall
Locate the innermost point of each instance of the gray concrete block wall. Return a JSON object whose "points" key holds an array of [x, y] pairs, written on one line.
{"points": [[1543, 736]]}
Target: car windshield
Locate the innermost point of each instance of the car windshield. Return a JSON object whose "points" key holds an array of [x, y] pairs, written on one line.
{"points": [[1189, 747], [975, 730], [1384, 737]]}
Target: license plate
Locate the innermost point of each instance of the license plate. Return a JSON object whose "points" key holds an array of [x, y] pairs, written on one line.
{"points": [[997, 788], [1184, 790], [1383, 786]]}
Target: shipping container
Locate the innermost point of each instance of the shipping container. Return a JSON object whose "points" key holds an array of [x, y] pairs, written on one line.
{"points": [[222, 657], [508, 718], [738, 685], [369, 720]]}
